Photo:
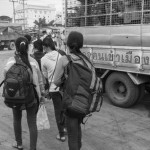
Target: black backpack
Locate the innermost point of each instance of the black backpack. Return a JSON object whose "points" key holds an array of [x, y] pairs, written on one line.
{"points": [[18, 86], [83, 93]]}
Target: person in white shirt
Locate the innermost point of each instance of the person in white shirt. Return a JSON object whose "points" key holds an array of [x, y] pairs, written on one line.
{"points": [[48, 65]]}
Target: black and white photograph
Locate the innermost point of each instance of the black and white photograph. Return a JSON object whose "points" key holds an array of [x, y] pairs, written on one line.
{"points": [[75, 74]]}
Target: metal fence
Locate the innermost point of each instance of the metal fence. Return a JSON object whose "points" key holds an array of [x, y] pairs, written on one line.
{"points": [[107, 12]]}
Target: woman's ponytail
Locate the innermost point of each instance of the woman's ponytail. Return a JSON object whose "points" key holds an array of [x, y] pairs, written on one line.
{"points": [[22, 49], [75, 48]]}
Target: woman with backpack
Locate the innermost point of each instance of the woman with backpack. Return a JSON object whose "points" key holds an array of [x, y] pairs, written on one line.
{"points": [[31, 108], [74, 43], [48, 64]]}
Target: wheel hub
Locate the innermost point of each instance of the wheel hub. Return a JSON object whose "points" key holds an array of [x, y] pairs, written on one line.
{"points": [[121, 89]]}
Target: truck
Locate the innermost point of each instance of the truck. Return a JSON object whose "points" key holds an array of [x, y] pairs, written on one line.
{"points": [[9, 32], [117, 41]]}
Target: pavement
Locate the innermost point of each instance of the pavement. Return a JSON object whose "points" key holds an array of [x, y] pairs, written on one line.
{"points": [[113, 128]]}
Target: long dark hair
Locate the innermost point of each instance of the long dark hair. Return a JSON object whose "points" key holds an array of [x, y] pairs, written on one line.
{"points": [[28, 37], [22, 50]]}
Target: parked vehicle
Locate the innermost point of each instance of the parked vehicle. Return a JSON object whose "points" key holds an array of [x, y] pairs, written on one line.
{"points": [[8, 34], [117, 40]]}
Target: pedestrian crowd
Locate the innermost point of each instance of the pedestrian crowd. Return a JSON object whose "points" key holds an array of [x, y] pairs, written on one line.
{"points": [[45, 60]]}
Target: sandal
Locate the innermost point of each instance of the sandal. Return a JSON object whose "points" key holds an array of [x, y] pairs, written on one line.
{"points": [[61, 138], [19, 147]]}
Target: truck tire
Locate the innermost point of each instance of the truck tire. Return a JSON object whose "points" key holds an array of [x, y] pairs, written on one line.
{"points": [[1, 47], [141, 93], [147, 88], [12, 45], [121, 91]]}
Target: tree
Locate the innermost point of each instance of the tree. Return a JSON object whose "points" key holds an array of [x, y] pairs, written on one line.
{"points": [[5, 18], [51, 23], [40, 23]]}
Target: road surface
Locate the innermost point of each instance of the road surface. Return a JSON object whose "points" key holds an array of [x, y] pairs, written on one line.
{"points": [[112, 128]]}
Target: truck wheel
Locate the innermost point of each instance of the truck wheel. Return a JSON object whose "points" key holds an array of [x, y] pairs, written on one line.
{"points": [[147, 88], [141, 93], [12, 46], [121, 90], [1, 47]]}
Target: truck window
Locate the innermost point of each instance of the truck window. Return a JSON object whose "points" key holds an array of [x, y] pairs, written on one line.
{"points": [[107, 12]]}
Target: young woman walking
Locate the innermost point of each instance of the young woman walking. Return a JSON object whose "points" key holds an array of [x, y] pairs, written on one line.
{"points": [[74, 43], [31, 108]]}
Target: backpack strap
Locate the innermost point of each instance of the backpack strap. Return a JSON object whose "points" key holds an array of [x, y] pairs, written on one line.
{"points": [[69, 58], [82, 57], [66, 70], [18, 61], [2, 83], [85, 58], [61, 52]]}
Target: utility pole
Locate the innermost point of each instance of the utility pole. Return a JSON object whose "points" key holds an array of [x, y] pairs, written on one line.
{"points": [[23, 4], [13, 1]]}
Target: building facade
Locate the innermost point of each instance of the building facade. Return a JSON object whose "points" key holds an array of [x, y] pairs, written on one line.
{"points": [[63, 12], [27, 15]]}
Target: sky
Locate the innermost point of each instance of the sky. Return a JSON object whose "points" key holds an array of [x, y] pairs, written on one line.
{"points": [[6, 7]]}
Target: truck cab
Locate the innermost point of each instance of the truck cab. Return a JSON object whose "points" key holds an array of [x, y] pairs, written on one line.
{"points": [[8, 34]]}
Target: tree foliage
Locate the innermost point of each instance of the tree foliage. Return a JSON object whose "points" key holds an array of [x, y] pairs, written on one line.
{"points": [[6, 18], [51, 23], [42, 23]]}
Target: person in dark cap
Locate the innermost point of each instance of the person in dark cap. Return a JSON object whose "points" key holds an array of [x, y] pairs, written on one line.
{"points": [[74, 43]]}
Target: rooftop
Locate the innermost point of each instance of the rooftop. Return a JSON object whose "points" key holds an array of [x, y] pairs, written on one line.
{"points": [[49, 7]]}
